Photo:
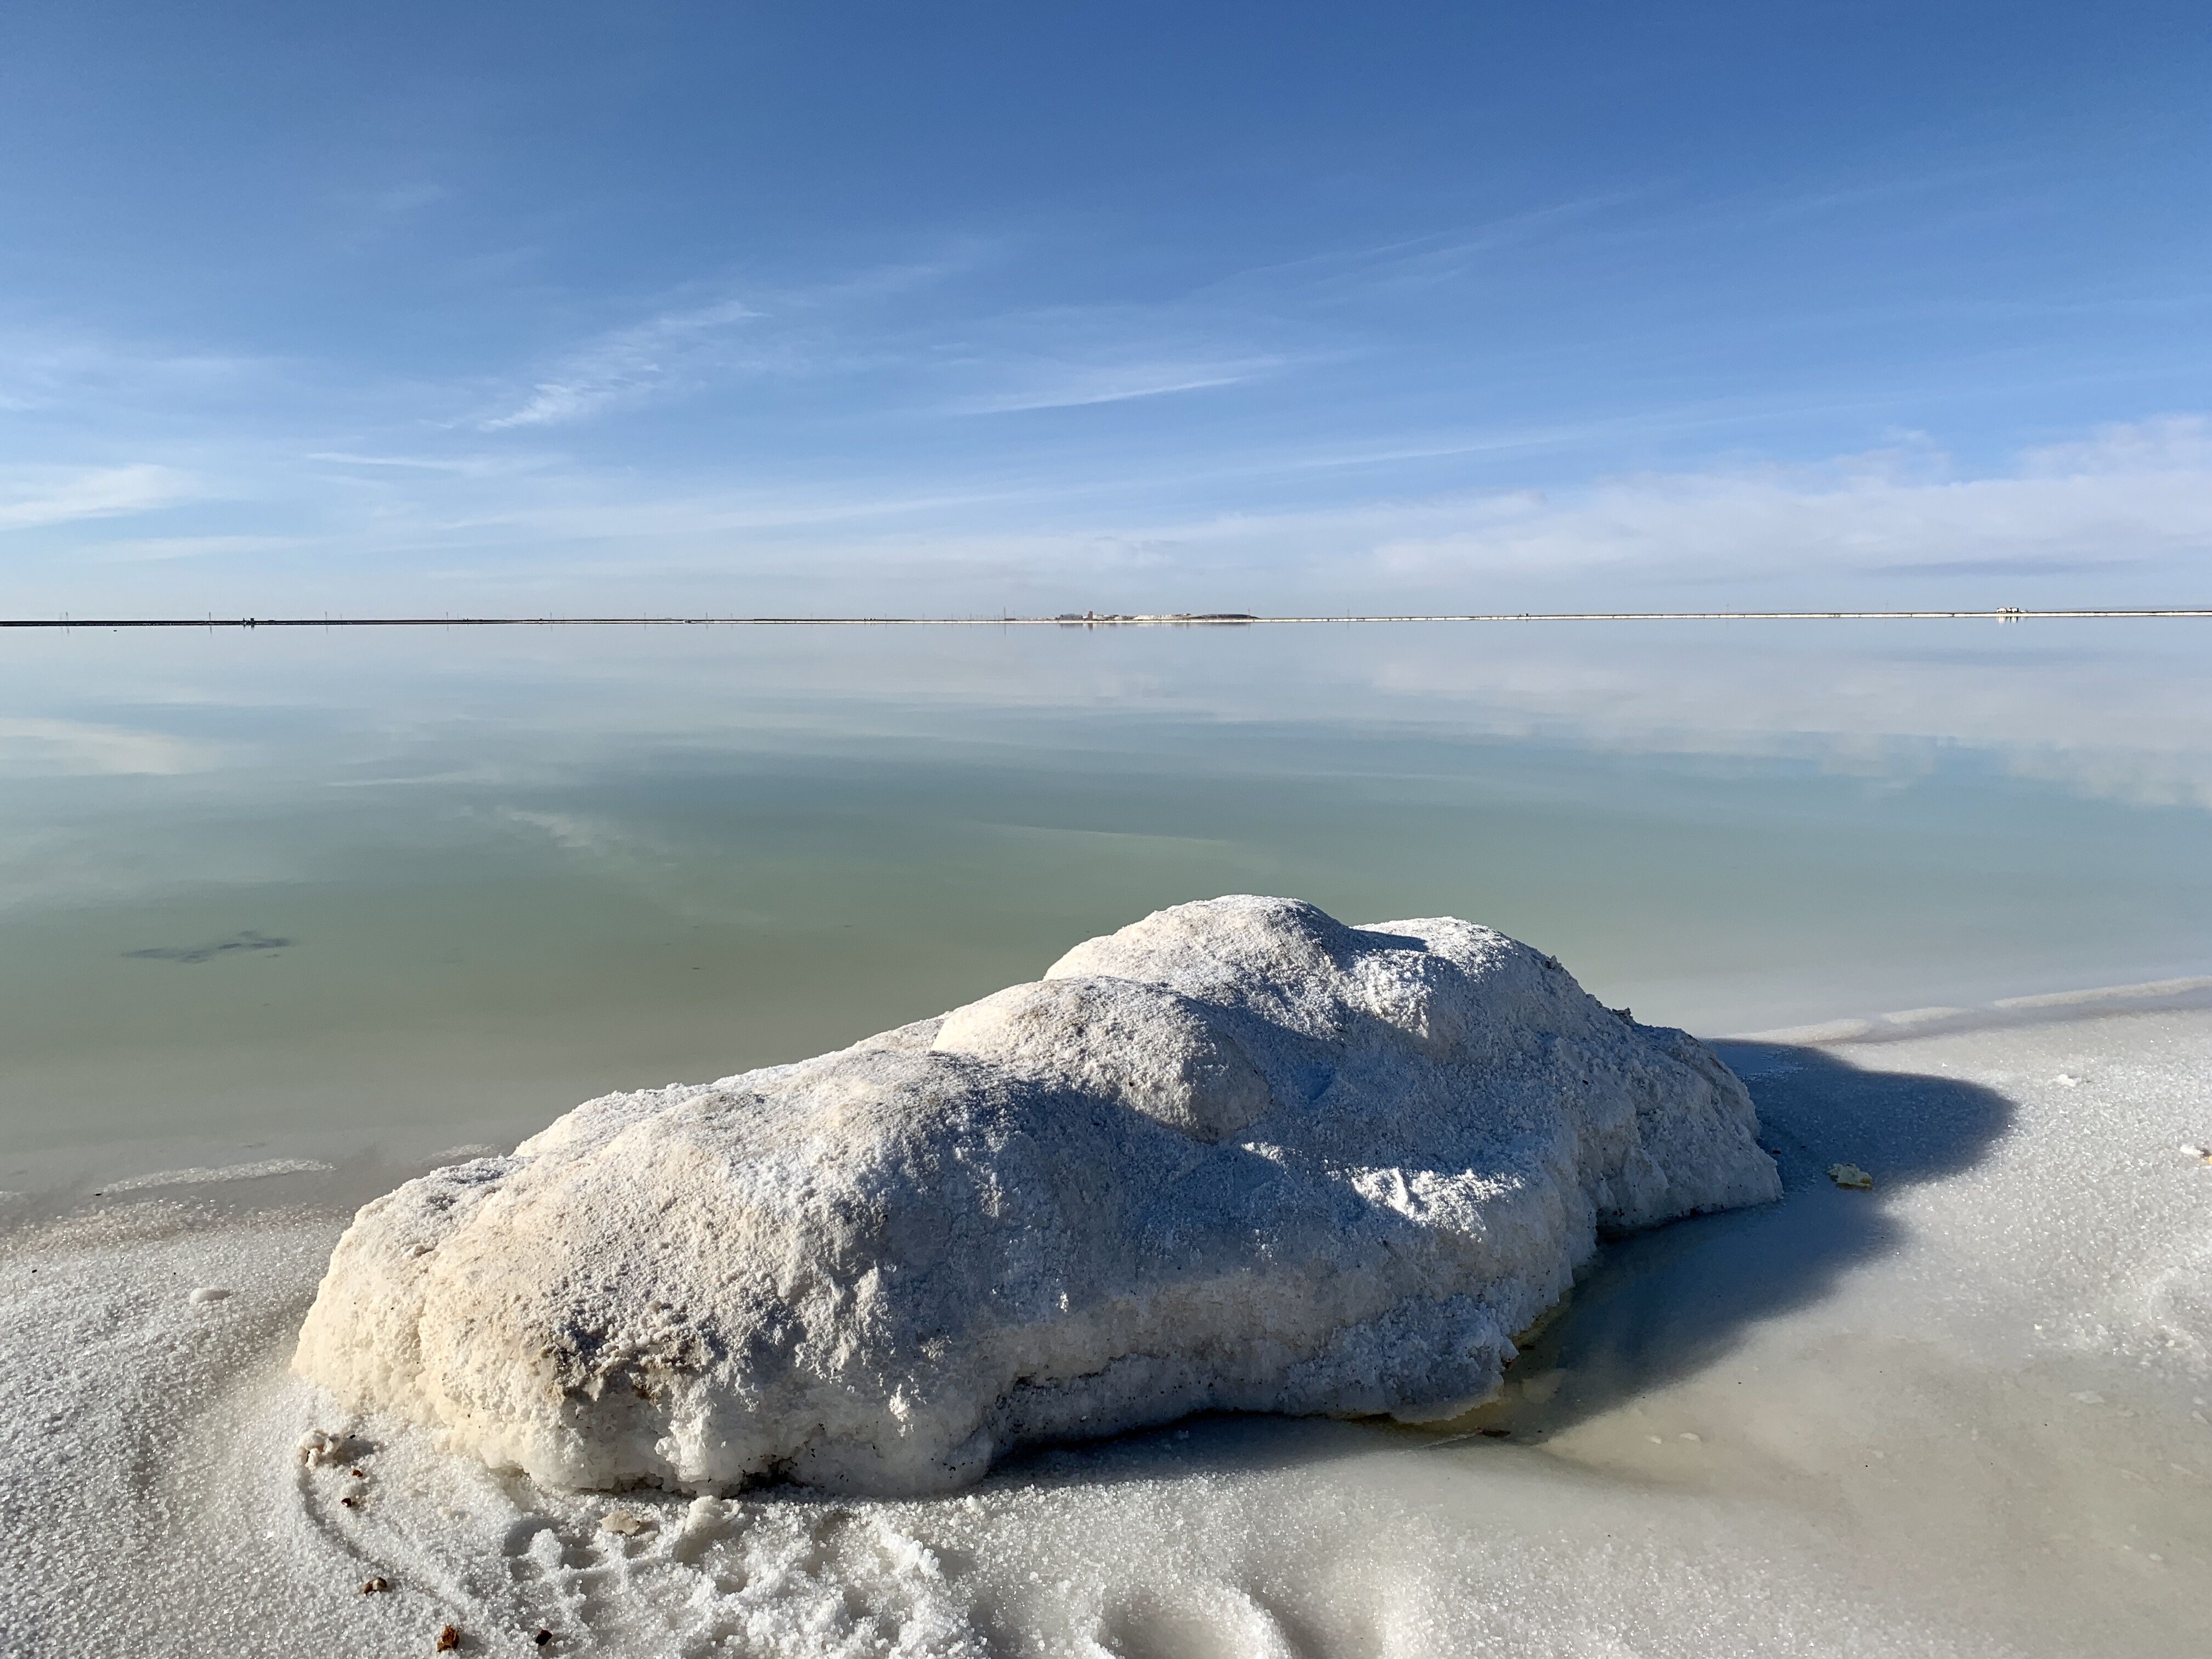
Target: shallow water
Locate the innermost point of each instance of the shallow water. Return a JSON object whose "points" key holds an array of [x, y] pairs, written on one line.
{"points": [[279, 896]]}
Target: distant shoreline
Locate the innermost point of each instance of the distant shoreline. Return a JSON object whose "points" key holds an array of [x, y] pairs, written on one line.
{"points": [[1183, 619]]}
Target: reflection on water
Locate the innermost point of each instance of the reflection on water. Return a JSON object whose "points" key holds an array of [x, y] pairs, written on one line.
{"points": [[288, 892]]}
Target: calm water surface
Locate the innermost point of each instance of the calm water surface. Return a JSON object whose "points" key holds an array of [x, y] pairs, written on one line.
{"points": [[268, 895]]}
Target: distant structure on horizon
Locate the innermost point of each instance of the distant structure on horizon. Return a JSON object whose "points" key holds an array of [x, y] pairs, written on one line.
{"points": [[1160, 617]]}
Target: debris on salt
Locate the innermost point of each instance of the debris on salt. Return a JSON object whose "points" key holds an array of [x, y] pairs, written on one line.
{"points": [[319, 1447], [1851, 1175]]}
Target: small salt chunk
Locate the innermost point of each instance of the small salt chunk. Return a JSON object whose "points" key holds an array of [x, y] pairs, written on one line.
{"points": [[321, 1446], [207, 1293], [2090, 1397], [625, 1523], [1686, 1435], [2065, 1082], [1851, 1175]]}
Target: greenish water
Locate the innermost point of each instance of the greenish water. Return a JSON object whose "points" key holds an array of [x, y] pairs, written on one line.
{"points": [[317, 893]]}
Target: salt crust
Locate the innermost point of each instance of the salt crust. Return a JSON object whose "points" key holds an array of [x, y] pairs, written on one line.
{"points": [[1901, 1463], [1236, 1156], [205, 1177]]}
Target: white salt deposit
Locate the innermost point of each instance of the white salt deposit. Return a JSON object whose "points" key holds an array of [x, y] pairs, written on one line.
{"points": [[1964, 1413], [1236, 1156], [259, 1170]]}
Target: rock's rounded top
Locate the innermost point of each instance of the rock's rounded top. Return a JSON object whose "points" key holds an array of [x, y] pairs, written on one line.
{"points": [[1238, 1155], [1162, 1053]]}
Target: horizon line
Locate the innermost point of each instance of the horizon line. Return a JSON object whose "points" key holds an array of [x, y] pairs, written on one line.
{"points": [[1092, 619]]}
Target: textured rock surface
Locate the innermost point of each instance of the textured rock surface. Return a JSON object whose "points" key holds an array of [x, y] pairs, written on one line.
{"points": [[1236, 1156]]}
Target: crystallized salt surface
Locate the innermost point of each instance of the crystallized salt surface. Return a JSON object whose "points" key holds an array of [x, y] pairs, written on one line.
{"points": [[1236, 1156], [1964, 1413]]}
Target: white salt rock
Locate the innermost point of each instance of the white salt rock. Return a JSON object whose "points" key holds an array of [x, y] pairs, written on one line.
{"points": [[207, 1293], [1235, 1157], [626, 1523]]}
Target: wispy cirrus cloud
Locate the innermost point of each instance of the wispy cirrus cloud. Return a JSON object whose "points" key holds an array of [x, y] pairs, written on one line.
{"points": [[461, 466], [627, 366], [48, 368], [143, 549], [36, 497], [1426, 259], [1072, 385], [923, 358]]}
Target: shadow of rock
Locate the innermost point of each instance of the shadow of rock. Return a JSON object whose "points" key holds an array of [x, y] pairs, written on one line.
{"points": [[1657, 1306]]}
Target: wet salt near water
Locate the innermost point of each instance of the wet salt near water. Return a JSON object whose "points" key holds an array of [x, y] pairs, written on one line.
{"points": [[1961, 1413]]}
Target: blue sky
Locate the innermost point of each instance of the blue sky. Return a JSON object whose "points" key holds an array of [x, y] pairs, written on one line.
{"points": [[958, 308]]}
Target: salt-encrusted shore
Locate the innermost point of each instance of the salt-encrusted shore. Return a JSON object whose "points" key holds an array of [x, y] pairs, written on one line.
{"points": [[1958, 1413]]}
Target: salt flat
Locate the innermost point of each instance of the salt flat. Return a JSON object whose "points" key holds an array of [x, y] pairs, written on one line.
{"points": [[1963, 1412]]}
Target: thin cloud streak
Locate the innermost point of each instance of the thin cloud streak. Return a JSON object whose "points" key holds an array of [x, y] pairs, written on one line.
{"points": [[63, 495], [466, 466], [1121, 384], [625, 366]]}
